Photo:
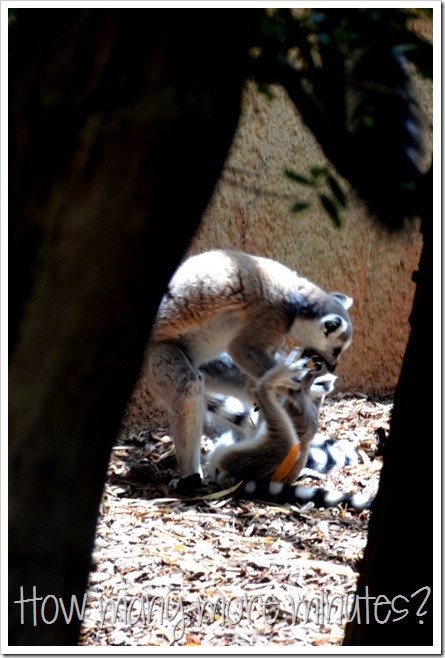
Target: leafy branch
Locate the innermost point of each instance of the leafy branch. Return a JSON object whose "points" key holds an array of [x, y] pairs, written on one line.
{"points": [[330, 194]]}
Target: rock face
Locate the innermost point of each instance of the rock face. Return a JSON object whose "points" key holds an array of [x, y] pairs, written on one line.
{"points": [[251, 210]]}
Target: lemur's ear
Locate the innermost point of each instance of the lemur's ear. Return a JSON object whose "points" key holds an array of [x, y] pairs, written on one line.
{"points": [[344, 300], [325, 383]]}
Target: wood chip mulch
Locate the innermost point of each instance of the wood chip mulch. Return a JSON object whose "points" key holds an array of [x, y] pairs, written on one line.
{"points": [[217, 571]]}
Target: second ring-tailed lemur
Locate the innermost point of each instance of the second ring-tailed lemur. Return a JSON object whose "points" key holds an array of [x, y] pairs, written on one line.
{"points": [[288, 397], [269, 455], [245, 305]]}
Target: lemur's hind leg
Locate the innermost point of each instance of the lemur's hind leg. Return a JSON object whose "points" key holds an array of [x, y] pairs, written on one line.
{"points": [[261, 454], [302, 410], [178, 385]]}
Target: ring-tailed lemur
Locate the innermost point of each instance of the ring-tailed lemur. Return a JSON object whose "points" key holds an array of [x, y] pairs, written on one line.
{"points": [[256, 451], [229, 413], [230, 301], [288, 399]]}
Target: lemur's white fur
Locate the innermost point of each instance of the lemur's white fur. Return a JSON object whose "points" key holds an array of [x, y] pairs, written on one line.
{"points": [[229, 301], [288, 396]]}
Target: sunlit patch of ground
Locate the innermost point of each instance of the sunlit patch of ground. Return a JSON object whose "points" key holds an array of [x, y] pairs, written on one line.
{"points": [[223, 571]]}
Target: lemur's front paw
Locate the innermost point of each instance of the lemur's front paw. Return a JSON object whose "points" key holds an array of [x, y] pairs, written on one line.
{"points": [[187, 485]]}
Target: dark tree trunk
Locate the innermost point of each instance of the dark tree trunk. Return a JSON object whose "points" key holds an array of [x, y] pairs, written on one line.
{"points": [[399, 553], [120, 121]]}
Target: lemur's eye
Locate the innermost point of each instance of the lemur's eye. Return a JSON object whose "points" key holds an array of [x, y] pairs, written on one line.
{"points": [[332, 325]]}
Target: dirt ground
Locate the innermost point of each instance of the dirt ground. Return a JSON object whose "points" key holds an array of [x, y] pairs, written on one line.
{"points": [[217, 571]]}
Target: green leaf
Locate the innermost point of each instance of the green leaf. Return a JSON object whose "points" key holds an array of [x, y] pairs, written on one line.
{"points": [[298, 207], [266, 91], [331, 209], [344, 35], [337, 191], [316, 172], [297, 178]]}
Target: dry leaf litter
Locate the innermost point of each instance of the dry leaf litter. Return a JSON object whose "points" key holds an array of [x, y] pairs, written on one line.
{"points": [[220, 571]]}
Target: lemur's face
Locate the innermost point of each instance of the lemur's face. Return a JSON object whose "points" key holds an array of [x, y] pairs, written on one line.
{"points": [[333, 337], [328, 336]]}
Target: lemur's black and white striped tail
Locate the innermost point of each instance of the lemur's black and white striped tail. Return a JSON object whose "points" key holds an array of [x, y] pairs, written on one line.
{"points": [[277, 492], [327, 454]]}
